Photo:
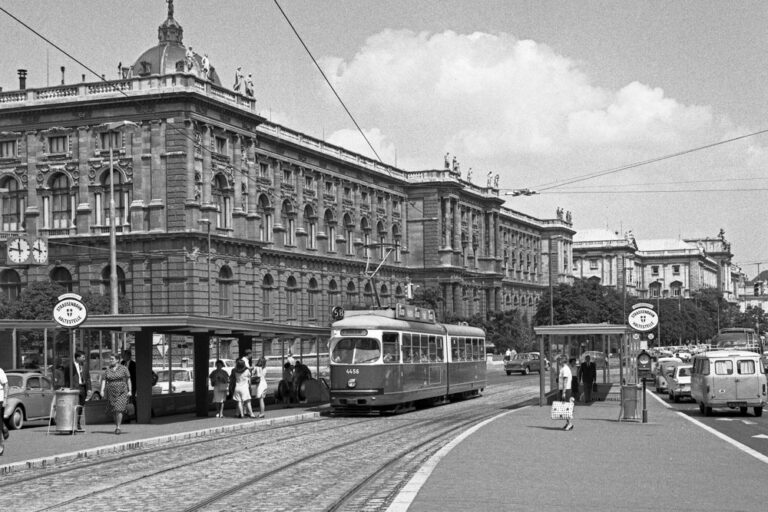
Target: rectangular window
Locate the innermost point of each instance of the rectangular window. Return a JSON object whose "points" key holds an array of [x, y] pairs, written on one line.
{"points": [[745, 367], [110, 140], [347, 192], [329, 188], [654, 270], [311, 305], [592, 264], [263, 170], [309, 183], [724, 367], [221, 145], [676, 291], [287, 177], [389, 347], [7, 149], [676, 269], [58, 144]]}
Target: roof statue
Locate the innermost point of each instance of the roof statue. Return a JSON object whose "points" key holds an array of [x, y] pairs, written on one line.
{"points": [[238, 79], [249, 86]]}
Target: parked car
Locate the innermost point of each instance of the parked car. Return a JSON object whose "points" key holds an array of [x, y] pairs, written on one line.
{"points": [[30, 395], [679, 382], [525, 363], [664, 366], [182, 381]]}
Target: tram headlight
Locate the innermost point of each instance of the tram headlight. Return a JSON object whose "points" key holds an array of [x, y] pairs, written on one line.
{"points": [[351, 383]]}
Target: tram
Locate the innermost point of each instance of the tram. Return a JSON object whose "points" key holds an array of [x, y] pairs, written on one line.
{"points": [[391, 360]]}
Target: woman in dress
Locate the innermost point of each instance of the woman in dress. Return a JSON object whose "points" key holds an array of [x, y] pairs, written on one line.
{"points": [[220, 382], [242, 393], [261, 388], [116, 388]]}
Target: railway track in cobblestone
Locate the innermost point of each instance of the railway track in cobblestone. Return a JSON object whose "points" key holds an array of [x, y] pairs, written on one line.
{"points": [[327, 464]]}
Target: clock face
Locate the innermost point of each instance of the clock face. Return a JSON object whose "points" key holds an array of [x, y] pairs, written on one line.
{"points": [[40, 251], [18, 250]]}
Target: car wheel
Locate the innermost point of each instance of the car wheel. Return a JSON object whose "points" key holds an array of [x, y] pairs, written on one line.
{"points": [[758, 411], [526, 370], [743, 410], [701, 408], [16, 419], [509, 372], [707, 411]]}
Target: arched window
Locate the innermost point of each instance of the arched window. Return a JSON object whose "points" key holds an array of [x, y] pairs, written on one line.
{"points": [[349, 234], [310, 227], [122, 200], [221, 195], [105, 282], [265, 211], [61, 200], [330, 230], [10, 284], [13, 205], [312, 299], [351, 293], [333, 288], [288, 220], [226, 285], [368, 294], [61, 276], [267, 293], [292, 294], [396, 240]]}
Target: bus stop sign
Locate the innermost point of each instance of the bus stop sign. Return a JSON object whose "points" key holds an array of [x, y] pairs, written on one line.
{"points": [[643, 319]]}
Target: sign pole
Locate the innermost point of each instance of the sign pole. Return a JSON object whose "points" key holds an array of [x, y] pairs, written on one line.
{"points": [[645, 410]]}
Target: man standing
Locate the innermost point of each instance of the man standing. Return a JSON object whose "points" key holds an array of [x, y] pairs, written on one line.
{"points": [[588, 376], [3, 396], [131, 365], [81, 381]]}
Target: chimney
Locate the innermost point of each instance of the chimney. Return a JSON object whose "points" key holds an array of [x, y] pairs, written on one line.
{"points": [[62, 75], [22, 78]]}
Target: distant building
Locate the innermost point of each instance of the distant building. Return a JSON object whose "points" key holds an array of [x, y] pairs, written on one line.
{"points": [[655, 268]]}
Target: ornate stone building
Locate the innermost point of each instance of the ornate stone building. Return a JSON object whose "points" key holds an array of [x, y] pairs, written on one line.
{"points": [[295, 225]]}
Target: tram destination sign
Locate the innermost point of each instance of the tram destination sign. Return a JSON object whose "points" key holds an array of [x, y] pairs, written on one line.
{"points": [[70, 310], [643, 319]]}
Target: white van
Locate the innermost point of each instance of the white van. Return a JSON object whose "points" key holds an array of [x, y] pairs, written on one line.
{"points": [[729, 378]]}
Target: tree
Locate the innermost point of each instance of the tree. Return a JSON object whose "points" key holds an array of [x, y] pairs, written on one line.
{"points": [[586, 301], [36, 301]]}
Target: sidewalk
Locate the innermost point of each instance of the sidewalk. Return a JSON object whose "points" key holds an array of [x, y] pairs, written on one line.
{"points": [[524, 461], [34, 447]]}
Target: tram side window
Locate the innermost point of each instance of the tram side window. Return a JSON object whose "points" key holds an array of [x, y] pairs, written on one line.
{"points": [[462, 349], [454, 349], [439, 349], [356, 351], [389, 343], [407, 348], [432, 348], [423, 347]]}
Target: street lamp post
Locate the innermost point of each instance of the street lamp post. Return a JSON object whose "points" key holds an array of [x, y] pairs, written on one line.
{"points": [[658, 313], [111, 127], [207, 222]]}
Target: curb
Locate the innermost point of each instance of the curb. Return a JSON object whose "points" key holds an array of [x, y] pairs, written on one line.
{"points": [[43, 462]]}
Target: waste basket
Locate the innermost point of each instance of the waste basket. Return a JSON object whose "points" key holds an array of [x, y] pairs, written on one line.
{"points": [[66, 402], [629, 398]]}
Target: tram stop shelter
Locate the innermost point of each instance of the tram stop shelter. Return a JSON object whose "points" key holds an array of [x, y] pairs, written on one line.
{"points": [[561, 342], [142, 327]]}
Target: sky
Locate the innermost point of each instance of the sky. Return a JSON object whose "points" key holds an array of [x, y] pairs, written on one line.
{"points": [[560, 97]]}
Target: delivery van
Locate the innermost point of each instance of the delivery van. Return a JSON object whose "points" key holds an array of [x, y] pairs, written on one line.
{"points": [[729, 378]]}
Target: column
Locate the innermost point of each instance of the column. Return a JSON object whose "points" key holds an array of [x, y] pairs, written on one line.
{"points": [[202, 354], [143, 349]]}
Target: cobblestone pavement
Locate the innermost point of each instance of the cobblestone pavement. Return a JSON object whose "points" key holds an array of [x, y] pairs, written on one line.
{"points": [[300, 466]]}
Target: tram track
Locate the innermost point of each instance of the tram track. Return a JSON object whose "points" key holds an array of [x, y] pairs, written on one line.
{"points": [[357, 485]]}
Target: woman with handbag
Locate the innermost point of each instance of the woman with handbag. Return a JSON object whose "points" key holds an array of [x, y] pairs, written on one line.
{"points": [[242, 388]]}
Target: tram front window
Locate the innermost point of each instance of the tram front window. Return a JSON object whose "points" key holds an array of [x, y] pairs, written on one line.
{"points": [[356, 351]]}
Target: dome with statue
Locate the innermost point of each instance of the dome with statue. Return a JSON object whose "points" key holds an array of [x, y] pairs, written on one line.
{"points": [[171, 56]]}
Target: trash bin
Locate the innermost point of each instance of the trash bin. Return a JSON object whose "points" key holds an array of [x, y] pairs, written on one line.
{"points": [[66, 401], [629, 402]]}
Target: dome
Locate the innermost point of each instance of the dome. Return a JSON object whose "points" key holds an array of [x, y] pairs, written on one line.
{"points": [[170, 55]]}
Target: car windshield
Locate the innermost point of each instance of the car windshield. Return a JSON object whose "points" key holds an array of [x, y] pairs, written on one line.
{"points": [[355, 351]]}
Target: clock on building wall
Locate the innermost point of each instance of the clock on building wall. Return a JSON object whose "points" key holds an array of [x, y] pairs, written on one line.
{"points": [[40, 251], [18, 250]]}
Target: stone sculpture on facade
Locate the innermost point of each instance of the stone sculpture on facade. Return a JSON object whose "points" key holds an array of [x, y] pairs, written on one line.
{"points": [[189, 59], [206, 67], [238, 79], [496, 181], [249, 86]]}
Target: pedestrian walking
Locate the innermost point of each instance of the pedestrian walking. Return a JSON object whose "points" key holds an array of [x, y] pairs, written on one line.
{"points": [[3, 396], [565, 379], [116, 388], [81, 381], [219, 382], [240, 383], [261, 385], [588, 376]]}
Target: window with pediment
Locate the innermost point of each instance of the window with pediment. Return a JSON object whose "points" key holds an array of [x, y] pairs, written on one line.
{"points": [[288, 221], [102, 199], [310, 227], [265, 212], [330, 230], [222, 196]]}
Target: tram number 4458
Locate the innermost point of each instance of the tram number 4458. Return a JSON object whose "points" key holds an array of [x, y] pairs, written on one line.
{"points": [[353, 371]]}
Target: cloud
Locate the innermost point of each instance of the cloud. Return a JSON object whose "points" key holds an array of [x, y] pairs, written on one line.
{"points": [[493, 97]]}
